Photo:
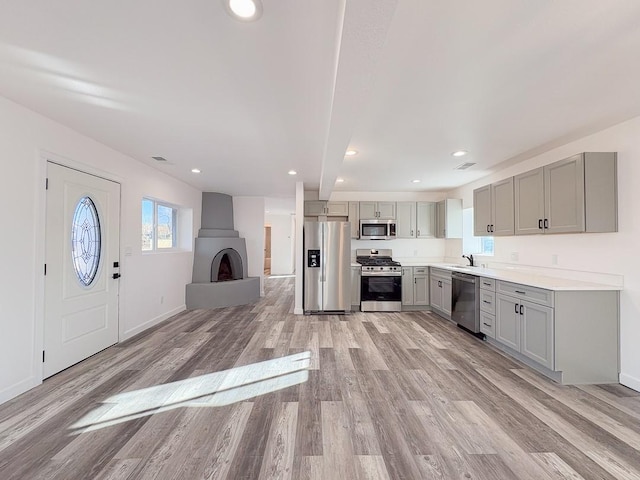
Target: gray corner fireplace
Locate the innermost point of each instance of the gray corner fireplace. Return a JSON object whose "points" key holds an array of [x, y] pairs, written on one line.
{"points": [[220, 259]]}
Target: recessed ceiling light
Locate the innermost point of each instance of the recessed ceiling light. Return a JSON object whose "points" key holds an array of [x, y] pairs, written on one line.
{"points": [[339, 180], [350, 153], [195, 170], [415, 181], [459, 153], [244, 10], [292, 172]]}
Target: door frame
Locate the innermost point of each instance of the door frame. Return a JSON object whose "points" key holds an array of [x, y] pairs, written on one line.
{"points": [[40, 218]]}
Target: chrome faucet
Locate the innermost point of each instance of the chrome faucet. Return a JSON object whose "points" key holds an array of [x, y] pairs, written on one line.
{"points": [[470, 258]]}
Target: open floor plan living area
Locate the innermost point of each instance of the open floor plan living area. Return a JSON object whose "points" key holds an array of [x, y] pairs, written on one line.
{"points": [[320, 239]]}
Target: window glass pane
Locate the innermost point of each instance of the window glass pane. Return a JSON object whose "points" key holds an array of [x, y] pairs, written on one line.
{"points": [[147, 224], [166, 227], [470, 244]]}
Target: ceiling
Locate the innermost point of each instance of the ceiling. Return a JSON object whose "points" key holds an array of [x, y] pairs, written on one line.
{"points": [[404, 82]]}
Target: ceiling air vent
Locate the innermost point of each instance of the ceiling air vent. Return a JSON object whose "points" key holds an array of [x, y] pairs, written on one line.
{"points": [[464, 166], [159, 159]]}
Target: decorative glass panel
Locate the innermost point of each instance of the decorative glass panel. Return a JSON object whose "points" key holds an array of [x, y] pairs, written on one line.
{"points": [[86, 241]]}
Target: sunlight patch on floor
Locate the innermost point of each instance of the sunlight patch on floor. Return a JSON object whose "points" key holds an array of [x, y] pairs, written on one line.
{"points": [[211, 390]]}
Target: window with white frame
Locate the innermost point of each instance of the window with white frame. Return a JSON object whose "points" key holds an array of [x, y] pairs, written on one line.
{"points": [[159, 225], [472, 245]]}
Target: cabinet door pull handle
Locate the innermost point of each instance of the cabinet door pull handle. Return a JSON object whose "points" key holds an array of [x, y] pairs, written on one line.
{"points": [[491, 228], [521, 309], [488, 229], [540, 224], [486, 324], [521, 292], [546, 223], [485, 301], [517, 308], [487, 284], [418, 233]]}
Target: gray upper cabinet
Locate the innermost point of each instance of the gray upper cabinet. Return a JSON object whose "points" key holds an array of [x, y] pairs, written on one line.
{"points": [[564, 196], [529, 202], [406, 220], [577, 194], [415, 220], [449, 218], [354, 219], [317, 208], [502, 207], [381, 210], [482, 211], [493, 209], [425, 219]]}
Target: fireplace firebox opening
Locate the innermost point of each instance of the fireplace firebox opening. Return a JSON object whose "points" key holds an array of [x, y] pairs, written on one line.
{"points": [[226, 266]]}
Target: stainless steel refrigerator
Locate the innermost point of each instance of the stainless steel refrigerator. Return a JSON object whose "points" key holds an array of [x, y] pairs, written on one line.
{"points": [[327, 267]]}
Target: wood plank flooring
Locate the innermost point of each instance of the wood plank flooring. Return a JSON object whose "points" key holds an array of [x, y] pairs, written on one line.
{"points": [[364, 396]]}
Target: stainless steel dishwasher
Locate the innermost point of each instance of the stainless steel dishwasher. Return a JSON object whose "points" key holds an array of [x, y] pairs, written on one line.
{"points": [[465, 301]]}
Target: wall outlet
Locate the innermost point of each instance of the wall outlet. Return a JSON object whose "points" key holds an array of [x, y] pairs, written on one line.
{"points": [[514, 256], [554, 259]]}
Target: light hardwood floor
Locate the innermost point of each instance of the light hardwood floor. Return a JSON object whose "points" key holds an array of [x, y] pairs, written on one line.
{"points": [[362, 396]]}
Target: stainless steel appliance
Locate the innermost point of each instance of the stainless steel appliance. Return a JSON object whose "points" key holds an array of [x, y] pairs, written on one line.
{"points": [[377, 229], [327, 267], [381, 281], [465, 301]]}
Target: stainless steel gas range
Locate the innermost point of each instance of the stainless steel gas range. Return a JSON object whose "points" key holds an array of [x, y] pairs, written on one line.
{"points": [[381, 281]]}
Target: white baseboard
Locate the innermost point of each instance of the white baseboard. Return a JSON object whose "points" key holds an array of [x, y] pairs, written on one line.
{"points": [[298, 311], [151, 323], [18, 388], [629, 381]]}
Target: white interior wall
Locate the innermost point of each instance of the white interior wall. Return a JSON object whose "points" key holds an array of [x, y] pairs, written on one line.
{"points": [[608, 255], [27, 139], [281, 243], [249, 221]]}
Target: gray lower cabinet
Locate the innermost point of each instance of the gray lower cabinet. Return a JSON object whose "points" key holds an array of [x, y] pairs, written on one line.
{"points": [[415, 286], [536, 336], [488, 306], [570, 336], [356, 273], [407, 285], [527, 328], [420, 286], [440, 291]]}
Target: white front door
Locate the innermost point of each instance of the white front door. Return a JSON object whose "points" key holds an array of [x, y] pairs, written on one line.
{"points": [[82, 255]]}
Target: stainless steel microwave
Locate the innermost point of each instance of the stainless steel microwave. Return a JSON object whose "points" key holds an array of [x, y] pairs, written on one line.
{"points": [[377, 229]]}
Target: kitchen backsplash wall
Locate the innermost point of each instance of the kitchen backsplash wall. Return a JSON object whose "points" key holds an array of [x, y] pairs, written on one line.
{"points": [[429, 250]]}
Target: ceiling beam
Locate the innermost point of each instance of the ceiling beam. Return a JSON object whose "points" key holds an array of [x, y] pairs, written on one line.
{"points": [[365, 24]]}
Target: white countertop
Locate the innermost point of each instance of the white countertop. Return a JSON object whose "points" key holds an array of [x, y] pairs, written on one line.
{"points": [[519, 276]]}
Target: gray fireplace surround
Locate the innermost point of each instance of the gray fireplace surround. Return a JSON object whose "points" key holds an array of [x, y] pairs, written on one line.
{"points": [[220, 276]]}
